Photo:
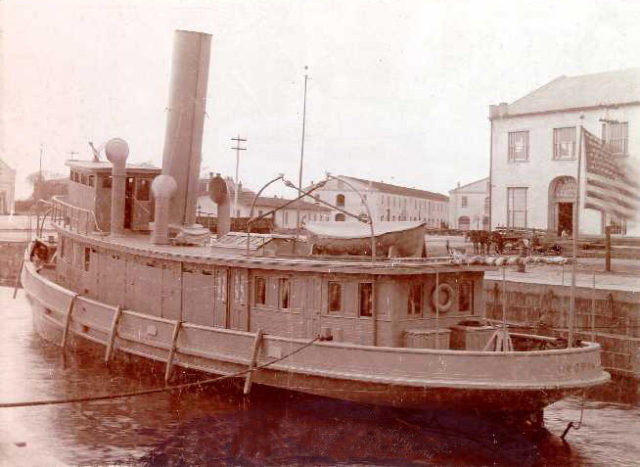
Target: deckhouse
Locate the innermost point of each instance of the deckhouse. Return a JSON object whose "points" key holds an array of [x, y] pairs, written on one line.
{"points": [[90, 185]]}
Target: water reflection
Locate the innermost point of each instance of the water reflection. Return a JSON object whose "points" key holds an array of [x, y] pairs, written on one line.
{"points": [[218, 425]]}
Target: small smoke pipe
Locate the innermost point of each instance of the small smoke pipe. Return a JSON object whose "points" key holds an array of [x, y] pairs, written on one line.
{"points": [[219, 194], [117, 151], [163, 188]]}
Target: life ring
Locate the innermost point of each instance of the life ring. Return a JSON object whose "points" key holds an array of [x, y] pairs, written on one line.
{"points": [[447, 290]]}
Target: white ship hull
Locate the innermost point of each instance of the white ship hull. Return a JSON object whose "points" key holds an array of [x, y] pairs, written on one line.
{"points": [[419, 378]]}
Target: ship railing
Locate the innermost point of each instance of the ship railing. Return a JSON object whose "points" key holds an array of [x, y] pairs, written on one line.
{"points": [[67, 215]]}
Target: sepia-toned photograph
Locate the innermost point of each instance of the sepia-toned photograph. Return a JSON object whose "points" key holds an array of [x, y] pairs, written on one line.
{"points": [[299, 232]]}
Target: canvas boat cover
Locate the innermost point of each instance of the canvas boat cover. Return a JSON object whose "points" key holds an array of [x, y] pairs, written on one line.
{"points": [[357, 230]]}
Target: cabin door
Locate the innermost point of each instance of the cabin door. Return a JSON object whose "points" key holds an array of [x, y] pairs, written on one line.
{"points": [[220, 298], [128, 202], [313, 305], [238, 281]]}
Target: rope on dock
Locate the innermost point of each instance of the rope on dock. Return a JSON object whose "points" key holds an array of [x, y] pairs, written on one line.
{"points": [[145, 392]]}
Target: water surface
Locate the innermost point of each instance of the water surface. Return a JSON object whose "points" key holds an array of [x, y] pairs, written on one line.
{"points": [[217, 425]]}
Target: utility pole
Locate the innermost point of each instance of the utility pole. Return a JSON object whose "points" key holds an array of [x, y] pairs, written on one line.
{"points": [[40, 167], [304, 120], [237, 148]]}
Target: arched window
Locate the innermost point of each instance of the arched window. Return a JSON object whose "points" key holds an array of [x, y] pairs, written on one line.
{"points": [[340, 200], [340, 217]]}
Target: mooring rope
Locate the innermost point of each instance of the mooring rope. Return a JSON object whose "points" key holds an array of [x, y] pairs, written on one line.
{"points": [[144, 392], [574, 425]]}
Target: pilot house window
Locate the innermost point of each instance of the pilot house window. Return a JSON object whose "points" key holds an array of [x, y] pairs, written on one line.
{"points": [[414, 305], [260, 291], [144, 185], [365, 292], [335, 296], [284, 289]]}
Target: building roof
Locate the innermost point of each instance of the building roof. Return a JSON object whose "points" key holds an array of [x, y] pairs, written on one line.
{"points": [[400, 190], [579, 92], [271, 203], [245, 197], [6, 166], [479, 186]]}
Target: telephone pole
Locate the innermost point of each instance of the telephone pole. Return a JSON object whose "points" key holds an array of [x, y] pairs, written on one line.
{"points": [[40, 167], [238, 147]]}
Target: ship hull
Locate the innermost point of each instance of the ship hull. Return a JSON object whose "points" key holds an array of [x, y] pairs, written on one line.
{"points": [[410, 378]]}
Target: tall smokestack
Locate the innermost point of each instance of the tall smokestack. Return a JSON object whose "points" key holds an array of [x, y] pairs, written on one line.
{"points": [[185, 122]]}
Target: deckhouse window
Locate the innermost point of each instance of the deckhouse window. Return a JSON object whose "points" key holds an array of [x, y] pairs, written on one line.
{"points": [[414, 305], [335, 296], [465, 300], [365, 292], [87, 258], [260, 287], [284, 292]]}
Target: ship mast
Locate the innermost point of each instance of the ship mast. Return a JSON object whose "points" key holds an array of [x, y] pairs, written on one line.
{"points": [[304, 119]]}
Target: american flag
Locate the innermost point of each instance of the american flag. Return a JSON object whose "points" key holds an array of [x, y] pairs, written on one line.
{"points": [[611, 186]]}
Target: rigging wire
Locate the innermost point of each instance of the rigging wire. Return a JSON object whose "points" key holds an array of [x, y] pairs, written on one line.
{"points": [[145, 392]]}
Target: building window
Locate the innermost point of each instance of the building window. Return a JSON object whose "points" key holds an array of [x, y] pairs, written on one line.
{"points": [[106, 182], [564, 143], [518, 146], [365, 292], [465, 300], [414, 305], [340, 200], [144, 187], [517, 207], [464, 201], [616, 135], [487, 205], [340, 217], [284, 293], [260, 291], [62, 247], [335, 297], [87, 259]]}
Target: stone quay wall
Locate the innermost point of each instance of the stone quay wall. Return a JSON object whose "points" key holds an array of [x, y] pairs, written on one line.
{"points": [[544, 309], [11, 253]]}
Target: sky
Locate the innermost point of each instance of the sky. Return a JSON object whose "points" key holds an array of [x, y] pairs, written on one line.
{"points": [[399, 91]]}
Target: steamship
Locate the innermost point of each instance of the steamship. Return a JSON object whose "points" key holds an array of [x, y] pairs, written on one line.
{"points": [[130, 271]]}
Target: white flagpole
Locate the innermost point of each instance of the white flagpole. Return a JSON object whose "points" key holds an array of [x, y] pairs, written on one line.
{"points": [[576, 227]]}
